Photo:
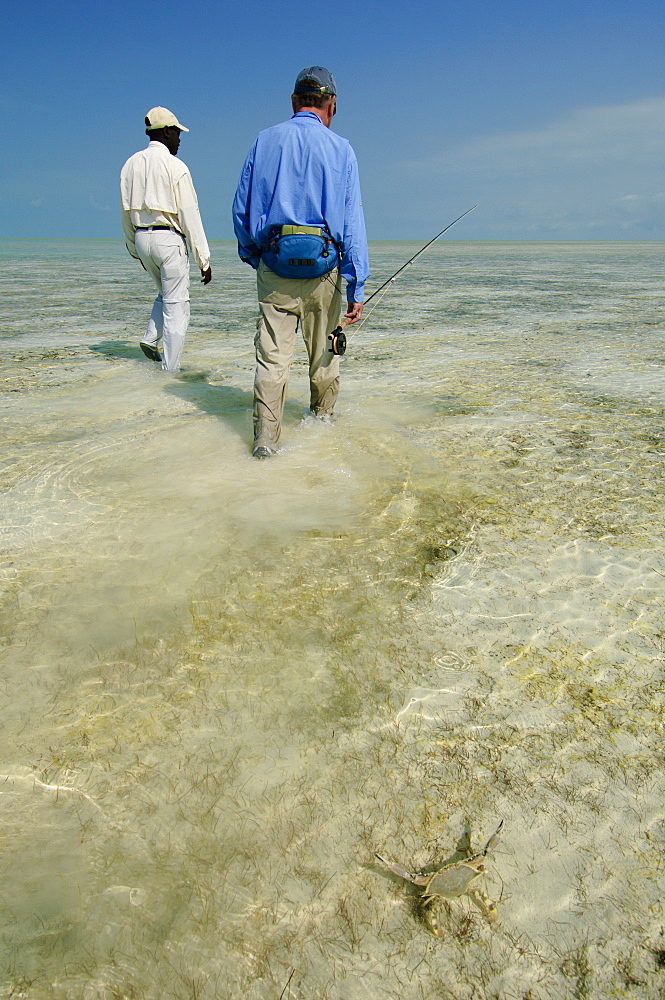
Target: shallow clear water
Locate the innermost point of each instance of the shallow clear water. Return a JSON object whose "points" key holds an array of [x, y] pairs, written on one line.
{"points": [[227, 684]]}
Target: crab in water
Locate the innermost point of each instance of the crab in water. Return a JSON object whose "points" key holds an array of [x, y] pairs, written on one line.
{"points": [[454, 879]]}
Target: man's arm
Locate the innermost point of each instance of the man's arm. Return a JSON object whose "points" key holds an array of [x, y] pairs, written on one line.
{"points": [[192, 227], [248, 251], [128, 231], [354, 266]]}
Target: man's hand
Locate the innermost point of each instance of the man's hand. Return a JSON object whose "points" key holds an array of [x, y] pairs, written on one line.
{"points": [[354, 311], [206, 276]]}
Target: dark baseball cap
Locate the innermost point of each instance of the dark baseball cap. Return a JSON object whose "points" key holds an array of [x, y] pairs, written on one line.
{"points": [[315, 80]]}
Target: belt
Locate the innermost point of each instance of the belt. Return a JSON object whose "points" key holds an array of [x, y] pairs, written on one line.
{"points": [[301, 231], [149, 229]]}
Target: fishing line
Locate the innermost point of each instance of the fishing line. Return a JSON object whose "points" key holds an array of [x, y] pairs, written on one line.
{"points": [[338, 337]]}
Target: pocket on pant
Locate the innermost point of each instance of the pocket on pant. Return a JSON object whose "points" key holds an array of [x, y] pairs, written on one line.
{"points": [[172, 262], [175, 275]]}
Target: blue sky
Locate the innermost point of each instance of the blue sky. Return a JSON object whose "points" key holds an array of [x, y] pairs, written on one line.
{"points": [[550, 115]]}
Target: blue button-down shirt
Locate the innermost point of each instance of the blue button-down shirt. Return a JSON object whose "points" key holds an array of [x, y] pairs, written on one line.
{"points": [[301, 173]]}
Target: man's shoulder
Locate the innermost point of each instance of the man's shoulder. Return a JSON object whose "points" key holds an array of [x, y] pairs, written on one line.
{"points": [[157, 158], [136, 159], [316, 130], [177, 167], [133, 159], [339, 140], [277, 129]]}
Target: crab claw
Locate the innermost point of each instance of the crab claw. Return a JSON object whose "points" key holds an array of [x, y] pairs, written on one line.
{"points": [[493, 841], [397, 869]]}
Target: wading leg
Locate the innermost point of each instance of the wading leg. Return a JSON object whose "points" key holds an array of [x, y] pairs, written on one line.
{"points": [[176, 321], [321, 316], [274, 342], [155, 324]]}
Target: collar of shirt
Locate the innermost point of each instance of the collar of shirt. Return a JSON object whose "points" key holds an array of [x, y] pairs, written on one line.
{"points": [[308, 114]]}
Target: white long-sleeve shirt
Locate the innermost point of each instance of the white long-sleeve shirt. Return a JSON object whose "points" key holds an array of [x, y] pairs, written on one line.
{"points": [[156, 189]]}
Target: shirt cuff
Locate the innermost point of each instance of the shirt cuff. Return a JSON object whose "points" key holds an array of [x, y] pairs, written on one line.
{"points": [[355, 291]]}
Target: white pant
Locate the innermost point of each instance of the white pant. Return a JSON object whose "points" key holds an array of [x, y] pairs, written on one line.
{"points": [[164, 256]]}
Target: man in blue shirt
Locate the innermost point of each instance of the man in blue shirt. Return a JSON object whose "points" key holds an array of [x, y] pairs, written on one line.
{"points": [[298, 218]]}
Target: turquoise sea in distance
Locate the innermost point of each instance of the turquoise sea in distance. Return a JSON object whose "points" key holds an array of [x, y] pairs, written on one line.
{"points": [[227, 685]]}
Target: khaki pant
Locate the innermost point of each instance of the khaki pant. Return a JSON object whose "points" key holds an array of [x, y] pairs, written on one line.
{"points": [[315, 304]]}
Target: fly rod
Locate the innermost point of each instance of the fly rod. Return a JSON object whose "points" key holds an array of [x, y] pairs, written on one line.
{"points": [[338, 337]]}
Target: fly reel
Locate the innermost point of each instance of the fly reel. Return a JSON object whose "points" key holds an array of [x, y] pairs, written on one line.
{"points": [[337, 341]]}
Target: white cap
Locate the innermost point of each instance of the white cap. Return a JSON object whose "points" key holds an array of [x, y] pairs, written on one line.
{"points": [[161, 118]]}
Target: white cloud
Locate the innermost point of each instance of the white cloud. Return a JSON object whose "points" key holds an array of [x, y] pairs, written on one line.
{"points": [[594, 173], [622, 133]]}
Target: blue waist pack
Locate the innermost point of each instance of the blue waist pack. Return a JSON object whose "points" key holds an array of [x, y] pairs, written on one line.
{"points": [[300, 252]]}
